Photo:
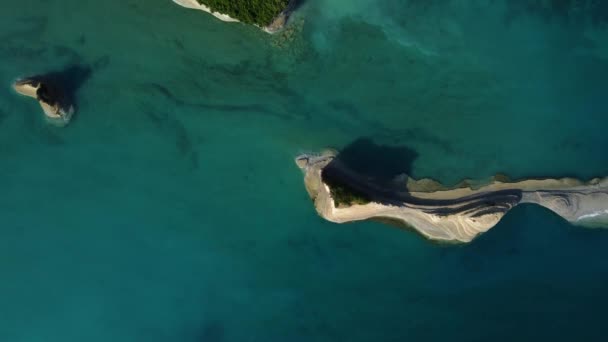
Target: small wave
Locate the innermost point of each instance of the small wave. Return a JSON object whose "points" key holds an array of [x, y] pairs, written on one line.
{"points": [[592, 215]]}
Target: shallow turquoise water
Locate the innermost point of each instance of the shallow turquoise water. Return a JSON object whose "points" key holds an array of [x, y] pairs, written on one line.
{"points": [[171, 210]]}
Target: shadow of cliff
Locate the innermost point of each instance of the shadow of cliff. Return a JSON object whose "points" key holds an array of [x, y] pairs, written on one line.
{"points": [[296, 4], [562, 11], [365, 171], [382, 163], [67, 81]]}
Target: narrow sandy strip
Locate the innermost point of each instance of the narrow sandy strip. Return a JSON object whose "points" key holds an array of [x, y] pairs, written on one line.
{"points": [[460, 214]]}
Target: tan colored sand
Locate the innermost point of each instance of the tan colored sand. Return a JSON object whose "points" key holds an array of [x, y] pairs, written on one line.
{"points": [[26, 89]]}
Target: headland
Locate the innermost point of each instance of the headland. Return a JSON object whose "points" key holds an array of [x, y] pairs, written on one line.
{"points": [[448, 214]]}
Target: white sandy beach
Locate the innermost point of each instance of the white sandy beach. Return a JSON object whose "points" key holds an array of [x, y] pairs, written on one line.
{"points": [[196, 5]]}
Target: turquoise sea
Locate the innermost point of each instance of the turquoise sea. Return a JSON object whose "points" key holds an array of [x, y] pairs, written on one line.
{"points": [[170, 209]]}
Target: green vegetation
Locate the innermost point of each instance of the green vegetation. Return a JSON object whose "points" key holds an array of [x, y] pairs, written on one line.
{"points": [[344, 195], [258, 12]]}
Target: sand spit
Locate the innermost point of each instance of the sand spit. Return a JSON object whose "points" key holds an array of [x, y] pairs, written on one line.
{"points": [[451, 215]]}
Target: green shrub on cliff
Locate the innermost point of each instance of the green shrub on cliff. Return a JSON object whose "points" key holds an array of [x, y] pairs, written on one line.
{"points": [[343, 194], [259, 12]]}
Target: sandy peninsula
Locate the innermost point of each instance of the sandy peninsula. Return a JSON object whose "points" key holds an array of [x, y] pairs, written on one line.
{"points": [[457, 214]]}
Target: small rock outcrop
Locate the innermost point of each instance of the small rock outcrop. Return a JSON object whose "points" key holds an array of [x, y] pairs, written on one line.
{"points": [[55, 105]]}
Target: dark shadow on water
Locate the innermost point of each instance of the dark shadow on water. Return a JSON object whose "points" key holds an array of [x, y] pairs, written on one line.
{"points": [[67, 82], [381, 162], [365, 171], [372, 172], [297, 4]]}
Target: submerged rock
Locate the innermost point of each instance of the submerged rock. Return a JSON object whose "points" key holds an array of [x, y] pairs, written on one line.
{"points": [[55, 105]]}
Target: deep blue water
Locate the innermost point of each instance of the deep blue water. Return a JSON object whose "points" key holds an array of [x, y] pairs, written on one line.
{"points": [[171, 210]]}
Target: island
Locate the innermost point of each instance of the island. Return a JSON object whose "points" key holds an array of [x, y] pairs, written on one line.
{"points": [[54, 102], [446, 214], [270, 15]]}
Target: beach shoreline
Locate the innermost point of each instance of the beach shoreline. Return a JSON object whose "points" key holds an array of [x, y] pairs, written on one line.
{"points": [[193, 4], [276, 25]]}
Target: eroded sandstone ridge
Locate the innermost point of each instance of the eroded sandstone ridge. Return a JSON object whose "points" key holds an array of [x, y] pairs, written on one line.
{"points": [[456, 214]]}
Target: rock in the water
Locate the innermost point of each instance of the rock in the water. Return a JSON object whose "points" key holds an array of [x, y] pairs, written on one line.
{"points": [[57, 109]]}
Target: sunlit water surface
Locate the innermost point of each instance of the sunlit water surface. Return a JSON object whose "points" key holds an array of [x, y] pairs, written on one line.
{"points": [[171, 210]]}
